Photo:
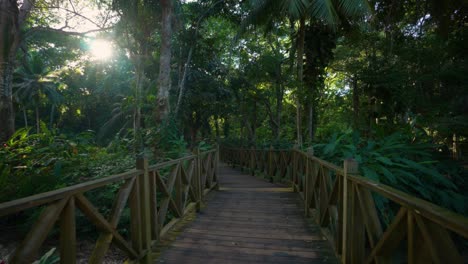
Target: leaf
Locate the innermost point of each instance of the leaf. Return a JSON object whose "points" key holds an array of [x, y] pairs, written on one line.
{"points": [[436, 176], [384, 160], [388, 175], [371, 174]]}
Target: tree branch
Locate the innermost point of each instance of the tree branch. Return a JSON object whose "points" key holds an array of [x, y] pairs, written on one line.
{"points": [[25, 9], [63, 32], [76, 13]]}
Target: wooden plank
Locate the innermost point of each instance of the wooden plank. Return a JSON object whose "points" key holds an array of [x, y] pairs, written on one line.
{"points": [[154, 207], [198, 181], [339, 220], [167, 190], [63, 193], [28, 249], [179, 190], [441, 246], [411, 239], [134, 204], [437, 214], [240, 223], [323, 195], [105, 238], [332, 200], [357, 237], [145, 208], [169, 163], [391, 237], [350, 166], [371, 218], [68, 233], [307, 188], [100, 222]]}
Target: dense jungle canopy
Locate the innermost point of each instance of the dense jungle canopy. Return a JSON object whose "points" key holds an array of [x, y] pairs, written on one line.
{"points": [[85, 86]]}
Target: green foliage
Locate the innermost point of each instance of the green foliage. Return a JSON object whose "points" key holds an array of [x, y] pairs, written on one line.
{"points": [[398, 161], [166, 140], [34, 163], [48, 258]]}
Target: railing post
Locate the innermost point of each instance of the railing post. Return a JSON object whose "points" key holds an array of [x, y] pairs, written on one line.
{"points": [[198, 181], [308, 182], [270, 163], [217, 167], [350, 167], [68, 233], [252, 161], [144, 199], [294, 168]]}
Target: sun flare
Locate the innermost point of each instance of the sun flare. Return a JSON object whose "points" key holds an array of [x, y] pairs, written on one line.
{"points": [[101, 49]]}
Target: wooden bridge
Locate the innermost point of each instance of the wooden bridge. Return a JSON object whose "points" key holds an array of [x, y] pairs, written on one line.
{"points": [[306, 211]]}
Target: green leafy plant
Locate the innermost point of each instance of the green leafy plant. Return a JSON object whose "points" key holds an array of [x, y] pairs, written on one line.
{"points": [[398, 161], [48, 258]]}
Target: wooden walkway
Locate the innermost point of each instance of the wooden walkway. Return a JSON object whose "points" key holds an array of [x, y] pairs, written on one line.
{"points": [[249, 221]]}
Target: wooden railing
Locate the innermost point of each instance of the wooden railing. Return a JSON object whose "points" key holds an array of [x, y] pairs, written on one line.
{"points": [[343, 204], [150, 192]]}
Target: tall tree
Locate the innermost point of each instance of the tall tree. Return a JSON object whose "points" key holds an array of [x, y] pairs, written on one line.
{"points": [[164, 79], [267, 12], [136, 30], [14, 30], [12, 19], [35, 81]]}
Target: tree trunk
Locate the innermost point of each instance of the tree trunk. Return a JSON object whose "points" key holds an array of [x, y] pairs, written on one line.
{"points": [[52, 114], [137, 111], [11, 22], [300, 71], [189, 57], [9, 35], [311, 123], [164, 80], [226, 127], [38, 121], [7, 114], [355, 103], [279, 102], [218, 134], [182, 80], [279, 108], [25, 116]]}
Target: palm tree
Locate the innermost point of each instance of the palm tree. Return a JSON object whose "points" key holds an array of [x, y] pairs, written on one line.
{"points": [[34, 83], [267, 12]]}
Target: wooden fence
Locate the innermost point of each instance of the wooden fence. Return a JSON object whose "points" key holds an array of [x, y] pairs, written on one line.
{"points": [[343, 204], [150, 192]]}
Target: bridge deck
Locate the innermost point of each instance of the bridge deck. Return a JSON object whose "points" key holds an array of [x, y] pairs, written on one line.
{"points": [[249, 221]]}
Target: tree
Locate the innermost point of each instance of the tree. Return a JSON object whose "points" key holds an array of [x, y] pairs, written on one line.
{"points": [[164, 79], [34, 82], [267, 12], [12, 19], [136, 30], [15, 28]]}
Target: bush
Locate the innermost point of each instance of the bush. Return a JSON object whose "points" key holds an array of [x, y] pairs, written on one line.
{"points": [[398, 161], [35, 163]]}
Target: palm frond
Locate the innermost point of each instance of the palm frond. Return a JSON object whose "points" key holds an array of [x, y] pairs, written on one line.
{"points": [[263, 13], [295, 8], [324, 10], [353, 8]]}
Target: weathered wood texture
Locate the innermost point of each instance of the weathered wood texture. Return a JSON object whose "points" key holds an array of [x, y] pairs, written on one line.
{"points": [[250, 221], [344, 205], [152, 193]]}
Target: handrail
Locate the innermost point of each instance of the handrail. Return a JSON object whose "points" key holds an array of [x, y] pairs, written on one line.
{"points": [[342, 203], [36, 200], [150, 192], [451, 220]]}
